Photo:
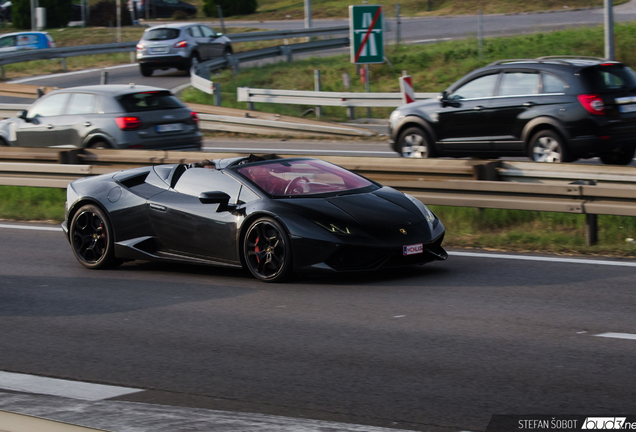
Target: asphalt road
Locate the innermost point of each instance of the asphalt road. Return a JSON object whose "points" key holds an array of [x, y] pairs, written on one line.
{"points": [[437, 348]]}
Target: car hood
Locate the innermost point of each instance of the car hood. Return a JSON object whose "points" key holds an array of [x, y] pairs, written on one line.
{"points": [[381, 208]]}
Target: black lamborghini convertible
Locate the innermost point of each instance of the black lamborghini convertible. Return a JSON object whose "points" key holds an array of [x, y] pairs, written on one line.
{"points": [[274, 216]]}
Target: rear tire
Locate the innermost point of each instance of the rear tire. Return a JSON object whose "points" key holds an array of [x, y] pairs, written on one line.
{"points": [[92, 238], [620, 156], [548, 146], [145, 71], [414, 143]]}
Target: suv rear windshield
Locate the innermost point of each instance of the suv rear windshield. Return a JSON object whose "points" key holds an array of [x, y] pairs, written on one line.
{"points": [[161, 34], [607, 78], [149, 101]]}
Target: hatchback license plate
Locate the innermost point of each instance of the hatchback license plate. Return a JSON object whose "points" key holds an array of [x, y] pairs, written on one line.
{"points": [[413, 249], [628, 108], [159, 50], [170, 127]]}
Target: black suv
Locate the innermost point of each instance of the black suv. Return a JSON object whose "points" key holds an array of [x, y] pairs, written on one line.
{"points": [[551, 109]]}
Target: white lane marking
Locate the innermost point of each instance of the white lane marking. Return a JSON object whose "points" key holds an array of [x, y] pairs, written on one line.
{"points": [[59, 387], [545, 259], [231, 149], [27, 227], [618, 335], [85, 71]]}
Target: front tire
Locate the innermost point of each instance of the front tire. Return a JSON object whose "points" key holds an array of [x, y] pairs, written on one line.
{"points": [[620, 156], [548, 146], [414, 143], [92, 238], [193, 63], [267, 250]]}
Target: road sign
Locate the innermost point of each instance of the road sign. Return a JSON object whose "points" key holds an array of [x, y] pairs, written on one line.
{"points": [[365, 32]]}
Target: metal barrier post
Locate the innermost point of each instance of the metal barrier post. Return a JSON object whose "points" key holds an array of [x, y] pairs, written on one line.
{"points": [[591, 229], [64, 64], [216, 88], [104, 78], [351, 113], [132, 57], [480, 36], [397, 24], [219, 12], [317, 87], [287, 52]]}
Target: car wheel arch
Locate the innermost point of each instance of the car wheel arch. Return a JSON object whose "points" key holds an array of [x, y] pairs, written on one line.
{"points": [[81, 203], [93, 138], [542, 123]]}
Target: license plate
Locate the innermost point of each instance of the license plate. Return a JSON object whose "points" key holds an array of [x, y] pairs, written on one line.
{"points": [[159, 50], [628, 108], [413, 249], [170, 127]]}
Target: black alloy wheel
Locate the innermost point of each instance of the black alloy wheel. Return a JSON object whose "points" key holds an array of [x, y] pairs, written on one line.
{"points": [[619, 156], [267, 250], [92, 238], [413, 143], [145, 70]]}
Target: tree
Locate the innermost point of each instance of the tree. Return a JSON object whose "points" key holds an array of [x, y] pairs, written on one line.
{"points": [[58, 13], [229, 7]]}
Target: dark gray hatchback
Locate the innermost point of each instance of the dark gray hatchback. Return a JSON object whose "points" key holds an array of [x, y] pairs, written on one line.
{"points": [[105, 116], [549, 109]]}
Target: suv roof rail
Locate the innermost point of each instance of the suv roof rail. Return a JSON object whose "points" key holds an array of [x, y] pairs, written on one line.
{"points": [[534, 60], [573, 57], [550, 59]]}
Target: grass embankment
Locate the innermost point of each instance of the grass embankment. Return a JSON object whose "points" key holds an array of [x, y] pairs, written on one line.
{"points": [[433, 67], [294, 9]]}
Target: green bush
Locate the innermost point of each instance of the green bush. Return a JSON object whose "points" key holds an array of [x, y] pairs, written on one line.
{"points": [[104, 14], [229, 7], [58, 13]]}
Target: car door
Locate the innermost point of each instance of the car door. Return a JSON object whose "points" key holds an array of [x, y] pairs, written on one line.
{"points": [[184, 224], [79, 120], [463, 117], [201, 45], [519, 94], [40, 127], [215, 49]]}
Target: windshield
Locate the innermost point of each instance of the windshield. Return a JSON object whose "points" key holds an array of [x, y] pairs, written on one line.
{"points": [[302, 178]]}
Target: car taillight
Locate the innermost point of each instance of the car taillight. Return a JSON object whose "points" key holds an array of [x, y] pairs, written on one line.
{"points": [[592, 103], [181, 44], [128, 123], [140, 46], [195, 117]]}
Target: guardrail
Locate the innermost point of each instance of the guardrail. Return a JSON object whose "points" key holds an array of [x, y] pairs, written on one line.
{"points": [[340, 99], [464, 183], [288, 34]]}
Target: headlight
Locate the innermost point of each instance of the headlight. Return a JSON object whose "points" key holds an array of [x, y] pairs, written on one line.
{"points": [[394, 116], [428, 215], [335, 228]]}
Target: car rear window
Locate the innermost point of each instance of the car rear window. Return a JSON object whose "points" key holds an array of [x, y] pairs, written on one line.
{"points": [[161, 34], [610, 77], [149, 101]]}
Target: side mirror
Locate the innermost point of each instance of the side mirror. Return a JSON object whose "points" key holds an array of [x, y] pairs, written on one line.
{"points": [[23, 115], [219, 34], [216, 197]]}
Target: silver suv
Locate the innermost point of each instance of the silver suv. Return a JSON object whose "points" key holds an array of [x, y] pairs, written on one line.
{"points": [[179, 46], [106, 116]]}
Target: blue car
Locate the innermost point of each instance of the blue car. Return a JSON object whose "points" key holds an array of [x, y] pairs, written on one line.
{"points": [[25, 40]]}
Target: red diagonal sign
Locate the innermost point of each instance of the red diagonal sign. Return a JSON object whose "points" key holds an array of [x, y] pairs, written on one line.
{"points": [[368, 33]]}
